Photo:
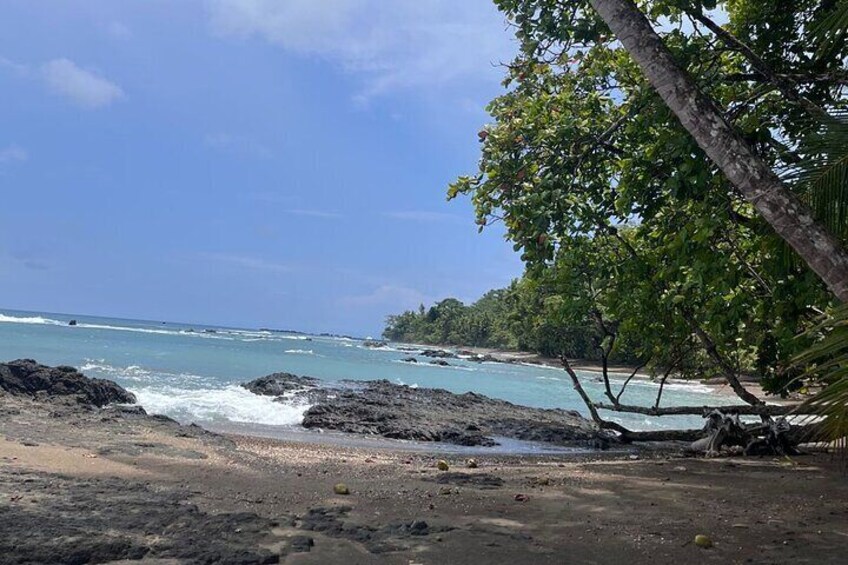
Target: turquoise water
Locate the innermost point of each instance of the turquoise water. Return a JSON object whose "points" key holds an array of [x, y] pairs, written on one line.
{"points": [[192, 374]]}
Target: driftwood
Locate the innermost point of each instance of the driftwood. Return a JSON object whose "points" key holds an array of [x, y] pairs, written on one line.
{"points": [[726, 430], [723, 428]]}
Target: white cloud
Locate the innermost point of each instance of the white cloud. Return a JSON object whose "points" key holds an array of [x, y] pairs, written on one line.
{"points": [[118, 30], [237, 144], [316, 214], [81, 86], [394, 45], [423, 216], [13, 154], [248, 262], [393, 297], [13, 66]]}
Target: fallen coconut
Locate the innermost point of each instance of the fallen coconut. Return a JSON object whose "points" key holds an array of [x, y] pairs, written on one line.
{"points": [[442, 465], [703, 541], [341, 488]]}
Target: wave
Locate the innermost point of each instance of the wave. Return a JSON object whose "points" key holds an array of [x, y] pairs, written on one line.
{"points": [[30, 320], [138, 374], [300, 351], [432, 366], [231, 403], [204, 335]]}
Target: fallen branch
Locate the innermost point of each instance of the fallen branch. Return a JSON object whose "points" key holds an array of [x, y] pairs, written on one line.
{"points": [[741, 409]]}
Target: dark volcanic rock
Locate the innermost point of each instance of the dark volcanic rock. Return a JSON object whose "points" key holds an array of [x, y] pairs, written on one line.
{"points": [[25, 377], [278, 384], [410, 360], [122, 520], [374, 343], [423, 414], [440, 363], [479, 480], [439, 354], [335, 522]]}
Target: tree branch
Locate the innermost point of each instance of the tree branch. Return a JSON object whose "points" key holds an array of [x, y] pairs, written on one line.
{"points": [[741, 409]]}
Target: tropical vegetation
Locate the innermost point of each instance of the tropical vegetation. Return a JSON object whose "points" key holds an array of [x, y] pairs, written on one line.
{"points": [[675, 177]]}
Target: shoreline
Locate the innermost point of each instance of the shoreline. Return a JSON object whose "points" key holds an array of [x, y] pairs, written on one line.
{"points": [[83, 484], [717, 385]]}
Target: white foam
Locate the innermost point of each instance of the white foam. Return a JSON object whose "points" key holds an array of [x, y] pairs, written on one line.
{"points": [[300, 351], [135, 373], [30, 320], [231, 403]]}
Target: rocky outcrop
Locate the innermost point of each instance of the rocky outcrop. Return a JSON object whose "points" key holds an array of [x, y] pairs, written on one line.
{"points": [[374, 343], [279, 384], [424, 414], [26, 377], [439, 354]]}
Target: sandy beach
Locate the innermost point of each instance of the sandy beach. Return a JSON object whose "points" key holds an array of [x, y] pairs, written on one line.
{"points": [[80, 483]]}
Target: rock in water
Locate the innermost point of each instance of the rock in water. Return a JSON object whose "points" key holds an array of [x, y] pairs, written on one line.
{"points": [[279, 384], [25, 377], [72, 323], [341, 489], [402, 412], [703, 541]]}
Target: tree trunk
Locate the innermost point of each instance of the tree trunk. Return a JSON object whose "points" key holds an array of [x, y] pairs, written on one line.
{"points": [[790, 218]]}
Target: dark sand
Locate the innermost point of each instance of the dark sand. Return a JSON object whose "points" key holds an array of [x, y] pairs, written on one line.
{"points": [[98, 485]]}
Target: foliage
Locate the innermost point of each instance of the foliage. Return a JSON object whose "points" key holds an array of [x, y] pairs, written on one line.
{"points": [[528, 315], [617, 211]]}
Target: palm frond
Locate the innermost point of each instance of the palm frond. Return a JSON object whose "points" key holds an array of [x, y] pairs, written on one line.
{"points": [[832, 31], [827, 366]]}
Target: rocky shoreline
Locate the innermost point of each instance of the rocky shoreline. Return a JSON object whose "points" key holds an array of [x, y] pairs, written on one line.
{"points": [[88, 477], [398, 411]]}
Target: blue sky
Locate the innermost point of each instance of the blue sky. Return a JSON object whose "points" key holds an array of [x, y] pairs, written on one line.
{"points": [[245, 162]]}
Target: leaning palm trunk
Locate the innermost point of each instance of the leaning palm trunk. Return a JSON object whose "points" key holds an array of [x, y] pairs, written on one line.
{"points": [[758, 184]]}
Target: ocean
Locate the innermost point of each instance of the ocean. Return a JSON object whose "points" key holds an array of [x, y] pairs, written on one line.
{"points": [[192, 372]]}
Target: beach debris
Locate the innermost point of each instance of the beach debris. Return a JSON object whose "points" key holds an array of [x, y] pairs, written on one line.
{"points": [[341, 488], [442, 465], [703, 541], [521, 498], [471, 463]]}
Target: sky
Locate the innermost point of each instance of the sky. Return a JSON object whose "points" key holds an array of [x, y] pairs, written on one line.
{"points": [[248, 163]]}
